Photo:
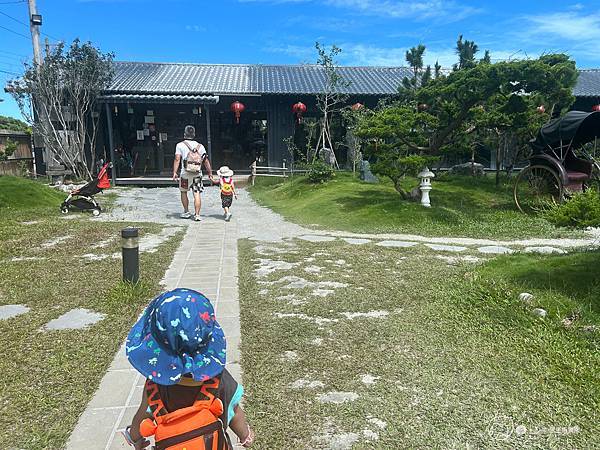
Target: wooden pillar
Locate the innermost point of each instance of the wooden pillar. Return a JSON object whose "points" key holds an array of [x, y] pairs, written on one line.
{"points": [[208, 138], [280, 125], [111, 143]]}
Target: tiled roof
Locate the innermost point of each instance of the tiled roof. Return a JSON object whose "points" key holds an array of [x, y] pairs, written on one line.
{"points": [[161, 98], [236, 79], [194, 79], [588, 83]]}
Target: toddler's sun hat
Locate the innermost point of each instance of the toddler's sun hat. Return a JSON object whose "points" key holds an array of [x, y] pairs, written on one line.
{"points": [[177, 335], [225, 171]]}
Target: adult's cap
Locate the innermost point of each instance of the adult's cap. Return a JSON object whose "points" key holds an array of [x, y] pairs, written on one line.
{"points": [[189, 132]]}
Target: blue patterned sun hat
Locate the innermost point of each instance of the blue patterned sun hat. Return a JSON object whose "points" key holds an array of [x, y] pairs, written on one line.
{"points": [[177, 335]]}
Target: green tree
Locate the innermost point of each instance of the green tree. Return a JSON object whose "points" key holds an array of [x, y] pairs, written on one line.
{"points": [[12, 124], [333, 96], [466, 51], [414, 58], [466, 102], [62, 93], [10, 148]]}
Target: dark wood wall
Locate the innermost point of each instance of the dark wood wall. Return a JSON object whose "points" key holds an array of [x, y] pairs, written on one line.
{"points": [[280, 123]]}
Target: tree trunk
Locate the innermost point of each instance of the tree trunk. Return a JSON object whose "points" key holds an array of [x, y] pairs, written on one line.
{"points": [[501, 143], [405, 195]]}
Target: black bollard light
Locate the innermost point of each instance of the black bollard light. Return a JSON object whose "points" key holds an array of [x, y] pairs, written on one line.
{"points": [[131, 254]]}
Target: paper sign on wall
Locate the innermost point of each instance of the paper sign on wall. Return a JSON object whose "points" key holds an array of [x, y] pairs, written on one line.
{"points": [[146, 132], [149, 119], [140, 135], [163, 137]]}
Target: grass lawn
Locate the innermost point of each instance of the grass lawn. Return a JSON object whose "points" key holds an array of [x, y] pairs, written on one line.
{"points": [[47, 378], [461, 207], [442, 356]]}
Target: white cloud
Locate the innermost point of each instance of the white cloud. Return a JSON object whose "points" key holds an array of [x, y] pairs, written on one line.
{"points": [[451, 11], [357, 54], [574, 32], [572, 26]]}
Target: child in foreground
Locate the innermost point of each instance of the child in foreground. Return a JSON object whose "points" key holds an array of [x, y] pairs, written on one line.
{"points": [[227, 190], [189, 398]]}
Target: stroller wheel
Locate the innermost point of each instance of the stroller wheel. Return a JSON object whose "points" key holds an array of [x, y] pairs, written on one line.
{"points": [[96, 212], [64, 210]]}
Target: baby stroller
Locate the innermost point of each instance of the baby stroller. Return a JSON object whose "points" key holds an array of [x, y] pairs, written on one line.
{"points": [[83, 198]]}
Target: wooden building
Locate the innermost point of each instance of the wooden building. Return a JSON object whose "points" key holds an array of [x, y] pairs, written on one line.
{"points": [[148, 105]]}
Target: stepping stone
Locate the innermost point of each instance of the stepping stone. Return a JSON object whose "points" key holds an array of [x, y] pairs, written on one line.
{"points": [[337, 397], [317, 238], [26, 258], [446, 248], [94, 257], [495, 249], [74, 320], [545, 250], [10, 311], [396, 244], [30, 222], [356, 241], [54, 242]]}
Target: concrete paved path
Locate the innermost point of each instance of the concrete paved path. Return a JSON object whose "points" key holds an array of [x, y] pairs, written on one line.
{"points": [[206, 261]]}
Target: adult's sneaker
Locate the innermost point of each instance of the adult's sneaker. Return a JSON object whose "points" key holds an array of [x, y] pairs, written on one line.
{"points": [[228, 217], [197, 218], [185, 215]]}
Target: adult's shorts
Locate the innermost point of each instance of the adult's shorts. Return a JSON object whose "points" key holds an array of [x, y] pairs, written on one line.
{"points": [[191, 181]]}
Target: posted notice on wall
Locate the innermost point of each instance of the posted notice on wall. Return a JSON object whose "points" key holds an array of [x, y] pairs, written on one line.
{"points": [[140, 135]]}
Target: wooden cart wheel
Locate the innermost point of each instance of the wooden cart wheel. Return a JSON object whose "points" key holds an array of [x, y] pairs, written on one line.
{"points": [[594, 181], [536, 188]]}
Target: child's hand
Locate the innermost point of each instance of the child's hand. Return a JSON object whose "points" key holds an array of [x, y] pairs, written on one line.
{"points": [[249, 439]]}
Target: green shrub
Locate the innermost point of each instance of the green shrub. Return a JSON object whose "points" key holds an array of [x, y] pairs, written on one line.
{"points": [[581, 211], [319, 172], [9, 149]]}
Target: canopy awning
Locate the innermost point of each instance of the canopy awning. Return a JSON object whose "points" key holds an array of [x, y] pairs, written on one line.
{"points": [[173, 99]]}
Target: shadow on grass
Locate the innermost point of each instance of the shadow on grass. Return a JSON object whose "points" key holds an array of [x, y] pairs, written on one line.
{"points": [[576, 275]]}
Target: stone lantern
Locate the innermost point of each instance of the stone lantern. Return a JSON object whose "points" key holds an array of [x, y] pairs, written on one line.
{"points": [[426, 175]]}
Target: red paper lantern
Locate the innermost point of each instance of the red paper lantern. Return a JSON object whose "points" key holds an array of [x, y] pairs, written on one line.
{"points": [[357, 106], [237, 108], [541, 109], [596, 108], [299, 109]]}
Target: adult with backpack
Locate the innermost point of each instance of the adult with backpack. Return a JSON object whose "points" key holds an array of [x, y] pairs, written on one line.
{"points": [[191, 156]]}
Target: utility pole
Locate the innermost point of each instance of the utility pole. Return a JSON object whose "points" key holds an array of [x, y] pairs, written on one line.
{"points": [[35, 21]]}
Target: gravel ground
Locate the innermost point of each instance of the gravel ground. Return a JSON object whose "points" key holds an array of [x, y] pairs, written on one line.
{"points": [[257, 223]]}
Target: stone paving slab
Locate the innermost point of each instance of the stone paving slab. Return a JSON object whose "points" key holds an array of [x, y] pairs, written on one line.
{"points": [[207, 261]]}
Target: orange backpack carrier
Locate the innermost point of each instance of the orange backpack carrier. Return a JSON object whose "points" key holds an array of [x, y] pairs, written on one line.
{"points": [[197, 427]]}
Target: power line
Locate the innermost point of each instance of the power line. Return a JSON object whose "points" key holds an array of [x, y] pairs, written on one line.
{"points": [[14, 32], [14, 54], [26, 25], [10, 73], [12, 3], [14, 18]]}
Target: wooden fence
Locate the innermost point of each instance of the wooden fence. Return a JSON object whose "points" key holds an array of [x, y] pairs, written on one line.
{"points": [[17, 167], [266, 171]]}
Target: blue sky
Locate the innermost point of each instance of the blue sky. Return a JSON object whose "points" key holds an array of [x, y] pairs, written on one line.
{"points": [[370, 32]]}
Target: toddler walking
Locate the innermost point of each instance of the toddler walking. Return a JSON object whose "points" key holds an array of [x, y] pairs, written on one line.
{"points": [[189, 399], [227, 190]]}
